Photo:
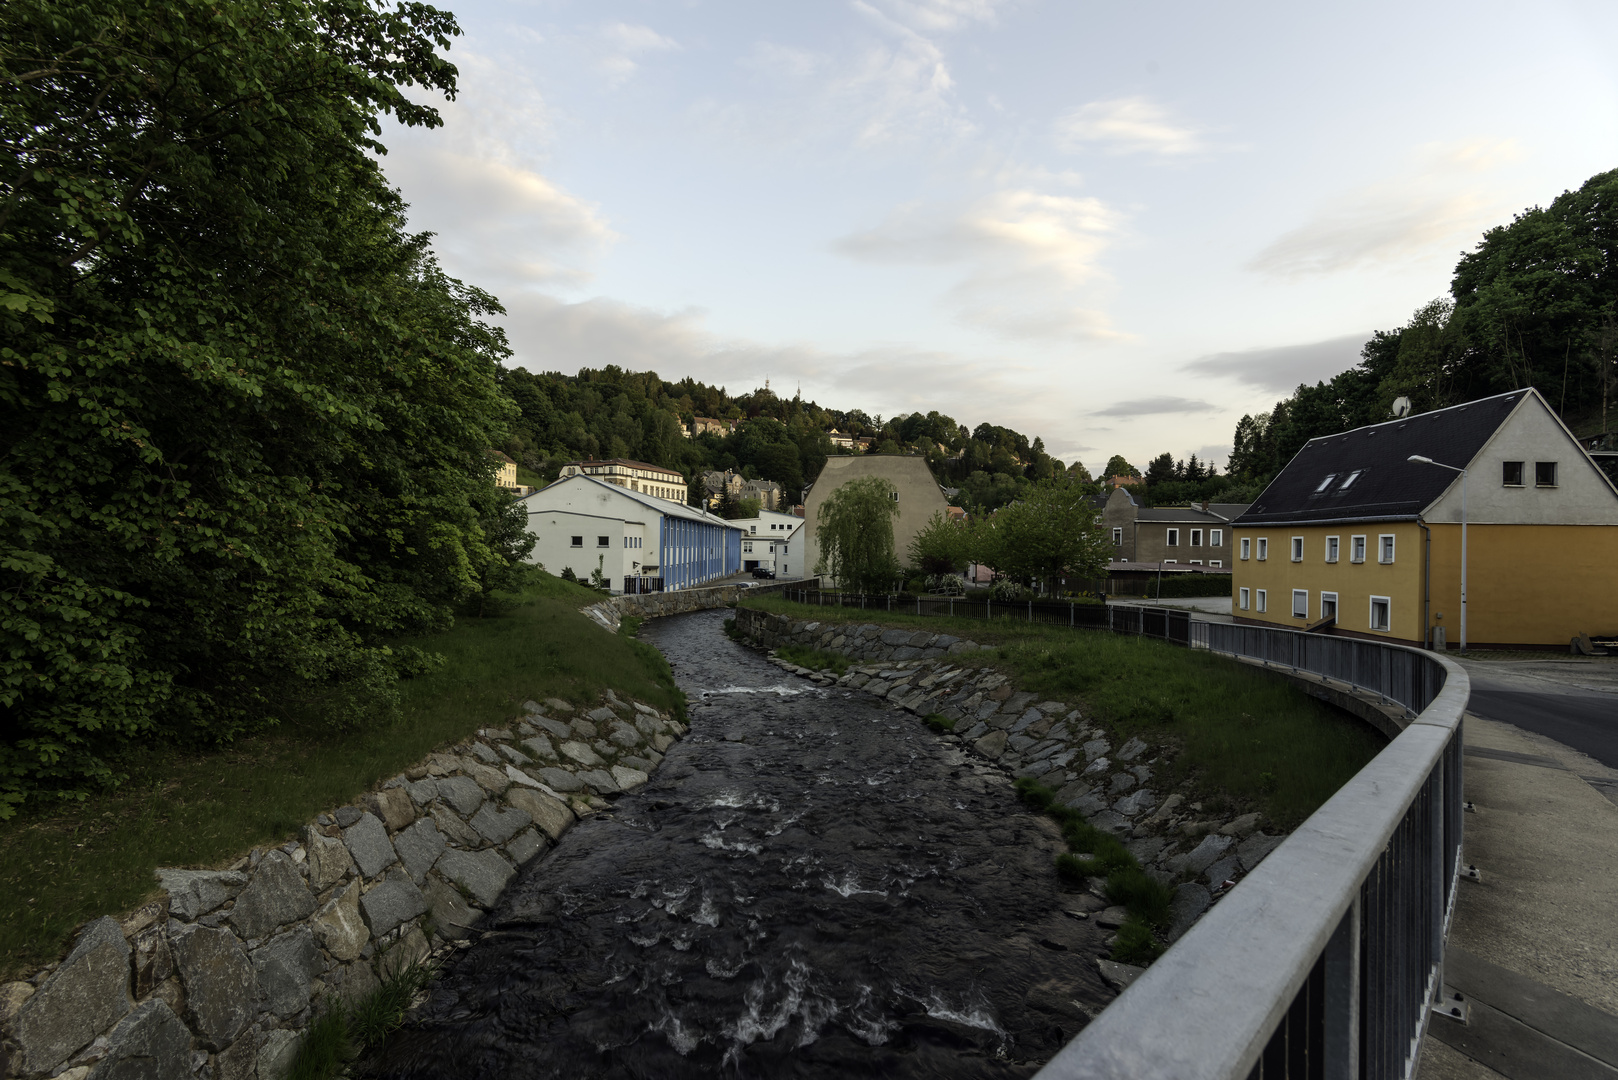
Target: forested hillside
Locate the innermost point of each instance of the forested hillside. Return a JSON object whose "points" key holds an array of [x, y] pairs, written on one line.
{"points": [[1535, 304]]}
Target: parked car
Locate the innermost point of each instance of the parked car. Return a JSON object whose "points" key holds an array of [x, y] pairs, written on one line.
{"points": [[763, 572]]}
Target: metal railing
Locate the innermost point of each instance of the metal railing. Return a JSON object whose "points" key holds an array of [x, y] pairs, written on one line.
{"points": [[1325, 960]]}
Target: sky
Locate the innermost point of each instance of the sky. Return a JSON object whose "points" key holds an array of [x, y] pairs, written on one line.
{"points": [[1117, 227]]}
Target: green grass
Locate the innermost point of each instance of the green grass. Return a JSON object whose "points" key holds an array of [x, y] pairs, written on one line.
{"points": [[61, 866], [815, 659], [1243, 739], [340, 1034]]}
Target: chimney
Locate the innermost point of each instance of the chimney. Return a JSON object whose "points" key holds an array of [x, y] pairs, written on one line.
{"points": [[1204, 506]]}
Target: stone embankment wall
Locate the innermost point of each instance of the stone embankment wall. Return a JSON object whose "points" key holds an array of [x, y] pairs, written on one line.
{"points": [[216, 979], [609, 612], [1117, 787]]}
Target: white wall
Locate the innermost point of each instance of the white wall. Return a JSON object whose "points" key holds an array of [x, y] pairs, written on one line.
{"points": [[772, 530]]}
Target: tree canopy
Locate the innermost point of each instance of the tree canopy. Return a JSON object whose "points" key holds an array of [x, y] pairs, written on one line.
{"points": [[244, 416], [854, 529], [1050, 531]]}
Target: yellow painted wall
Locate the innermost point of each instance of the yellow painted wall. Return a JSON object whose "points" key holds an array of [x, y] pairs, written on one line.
{"points": [[1354, 583], [1527, 584]]}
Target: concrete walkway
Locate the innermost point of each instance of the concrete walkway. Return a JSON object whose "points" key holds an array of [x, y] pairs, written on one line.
{"points": [[1534, 945]]}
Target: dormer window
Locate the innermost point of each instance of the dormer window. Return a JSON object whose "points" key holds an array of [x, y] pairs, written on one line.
{"points": [[1326, 483], [1348, 481]]}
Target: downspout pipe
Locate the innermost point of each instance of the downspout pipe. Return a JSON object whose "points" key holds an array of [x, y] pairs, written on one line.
{"points": [[1426, 583]]}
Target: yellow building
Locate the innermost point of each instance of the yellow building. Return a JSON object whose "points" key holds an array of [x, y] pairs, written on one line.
{"points": [[653, 480], [1355, 538]]}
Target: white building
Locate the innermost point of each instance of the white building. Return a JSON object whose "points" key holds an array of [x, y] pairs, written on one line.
{"points": [[640, 476], [639, 542], [773, 541]]}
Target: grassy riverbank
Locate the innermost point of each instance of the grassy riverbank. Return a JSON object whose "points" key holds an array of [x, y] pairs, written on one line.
{"points": [[1242, 739], [65, 865]]}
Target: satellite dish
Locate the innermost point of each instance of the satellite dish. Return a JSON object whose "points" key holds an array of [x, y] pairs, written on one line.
{"points": [[1401, 406]]}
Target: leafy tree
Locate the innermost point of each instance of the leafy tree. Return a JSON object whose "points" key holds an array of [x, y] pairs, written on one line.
{"points": [[1117, 466], [1162, 471], [854, 529], [1050, 531], [941, 547], [243, 415]]}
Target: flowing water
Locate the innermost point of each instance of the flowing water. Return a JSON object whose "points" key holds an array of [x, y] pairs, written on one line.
{"points": [[812, 885]]}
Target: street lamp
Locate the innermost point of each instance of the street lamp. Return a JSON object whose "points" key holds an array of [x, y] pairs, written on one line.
{"points": [[1420, 460]]}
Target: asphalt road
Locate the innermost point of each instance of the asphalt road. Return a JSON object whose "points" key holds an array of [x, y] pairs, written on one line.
{"points": [[1572, 701]]}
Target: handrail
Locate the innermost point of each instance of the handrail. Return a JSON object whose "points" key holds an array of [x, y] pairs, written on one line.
{"points": [[1325, 959]]}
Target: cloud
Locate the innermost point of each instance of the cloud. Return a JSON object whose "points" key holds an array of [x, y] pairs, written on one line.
{"points": [[1433, 204], [626, 43], [1157, 406], [1126, 125], [1032, 259], [1281, 368], [941, 15], [898, 88]]}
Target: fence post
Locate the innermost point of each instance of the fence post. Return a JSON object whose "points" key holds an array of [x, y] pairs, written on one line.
{"points": [[988, 608], [1070, 614], [918, 605]]}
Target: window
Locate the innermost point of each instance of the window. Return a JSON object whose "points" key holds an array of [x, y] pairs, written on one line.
{"points": [[1216, 562], [1384, 548], [1263, 548], [1243, 595], [1297, 549], [895, 495], [1247, 546], [753, 529], [1300, 603], [1196, 537], [1328, 605], [1511, 473], [1170, 562], [1174, 538], [1259, 602], [1326, 483], [1196, 562], [603, 541], [1118, 537], [578, 541], [1348, 481], [1356, 549], [747, 547], [1216, 537], [1381, 613], [1544, 474], [1331, 549]]}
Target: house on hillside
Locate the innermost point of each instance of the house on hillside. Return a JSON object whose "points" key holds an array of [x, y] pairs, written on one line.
{"points": [[640, 542], [772, 541], [1354, 538], [716, 485], [653, 480], [705, 424], [506, 476], [914, 487], [1198, 536]]}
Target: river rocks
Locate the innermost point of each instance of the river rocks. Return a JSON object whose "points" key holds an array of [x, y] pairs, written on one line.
{"points": [[1205, 854], [1255, 847], [550, 814], [328, 859], [580, 752], [991, 745], [453, 829], [221, 988], [285, 968], [560, 779], [525, 846], [1190, 901], [394, 902], [462, 793], [418, 848], [628, 779], [338, 925], [393, 806], [496, 825], [601, 780], [482, 873], [149, 1044], [453, 916], [82, 998], [196, 892], [368, 843]]}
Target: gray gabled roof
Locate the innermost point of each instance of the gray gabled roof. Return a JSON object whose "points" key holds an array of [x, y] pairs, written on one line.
{"points": [[651, 502]]}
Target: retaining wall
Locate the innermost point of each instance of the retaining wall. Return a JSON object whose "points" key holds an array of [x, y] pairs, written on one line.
{"points": [[216, 978]]}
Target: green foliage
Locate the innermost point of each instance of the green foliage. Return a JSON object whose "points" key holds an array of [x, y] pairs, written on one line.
{"points": [[244, 415], [814, 659], [1050, 531], [325, 1049], [1136, 943], [939, 722], [941, 546], [1189, 585], [855, 533]]}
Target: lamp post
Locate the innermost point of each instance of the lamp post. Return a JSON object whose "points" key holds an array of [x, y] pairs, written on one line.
{"points": [[1420, 460]]}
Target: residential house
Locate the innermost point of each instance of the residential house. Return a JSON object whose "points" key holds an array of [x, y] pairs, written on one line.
{"points": [[584, 522], [1197, 536], [704, 424], [1354, 538], [914, 488], [716, 484], [653, 480], [773, 541], [506, 477]]}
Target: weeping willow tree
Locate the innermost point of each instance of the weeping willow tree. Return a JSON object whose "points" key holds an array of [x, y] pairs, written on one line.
{"points": [[855, 531]]}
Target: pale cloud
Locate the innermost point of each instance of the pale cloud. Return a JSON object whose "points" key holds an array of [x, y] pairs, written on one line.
{"points": [[1157, 406], [1281, 368], [942, 15], [1433, 205], [626, 44], [1033, 259], [1126, 125], [898, 88]]}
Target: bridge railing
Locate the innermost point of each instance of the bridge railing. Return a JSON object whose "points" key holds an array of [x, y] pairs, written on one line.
{"points": [[1325, 960]]}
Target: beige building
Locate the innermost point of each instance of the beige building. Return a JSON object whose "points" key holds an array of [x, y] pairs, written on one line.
{"points": [[915, 488], [507, 476], [1197, 536], [653, 480]]}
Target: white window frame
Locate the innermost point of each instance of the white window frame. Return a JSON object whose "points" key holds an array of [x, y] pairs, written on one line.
{"points": [[1196, 537], [578, 542], [1172, 539], [1216, 537], [1334, 548], [1387, 603], [1247, 547], [1297, 549], [1196, 562], [1244, 597], [1117, 536], [1356, 549], [1385, 548], [603, 541], [1304, 593], [1263, 549], [1538, 465], [1170, 562], [1261, 600], [1328, 598], [1217, 562]]}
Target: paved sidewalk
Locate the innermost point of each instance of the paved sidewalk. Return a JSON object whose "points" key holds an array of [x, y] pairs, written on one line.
{"points": [[1534, 946]]}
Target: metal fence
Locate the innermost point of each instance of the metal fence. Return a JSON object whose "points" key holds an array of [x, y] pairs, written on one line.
{"points": [[1324, 962]]}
